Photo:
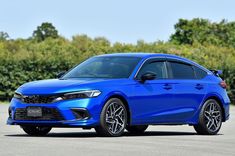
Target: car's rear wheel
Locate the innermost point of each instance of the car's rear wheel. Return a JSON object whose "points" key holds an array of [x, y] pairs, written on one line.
{"points": [[36, 130], [113, 118], [136, 129], [210, 118]]}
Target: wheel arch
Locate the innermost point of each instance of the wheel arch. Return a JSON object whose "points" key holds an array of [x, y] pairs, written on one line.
{"points": [[220, 102], [124, 99]]}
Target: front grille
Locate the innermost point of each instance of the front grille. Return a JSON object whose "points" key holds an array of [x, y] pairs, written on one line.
{"points": [[47, 114], [38, 99]]}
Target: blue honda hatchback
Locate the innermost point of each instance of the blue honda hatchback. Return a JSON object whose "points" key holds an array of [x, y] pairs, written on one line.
{"points": [[129, 91]]}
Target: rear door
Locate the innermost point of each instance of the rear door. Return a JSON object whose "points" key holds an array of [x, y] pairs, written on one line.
{"points": [[188, 89]]}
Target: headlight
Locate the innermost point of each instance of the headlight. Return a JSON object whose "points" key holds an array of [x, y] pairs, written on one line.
{"points": [[17, 95], [78, 95]]}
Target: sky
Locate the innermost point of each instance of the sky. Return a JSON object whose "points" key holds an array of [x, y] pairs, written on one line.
{"points": [[117, 20]]}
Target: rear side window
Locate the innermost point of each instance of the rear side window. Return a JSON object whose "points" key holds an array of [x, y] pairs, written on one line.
{"points": [[181, 71], [200, 74], [157, 67]]}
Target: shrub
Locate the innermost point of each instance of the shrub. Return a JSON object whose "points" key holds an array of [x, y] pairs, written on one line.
{"points": [[26, 60]]}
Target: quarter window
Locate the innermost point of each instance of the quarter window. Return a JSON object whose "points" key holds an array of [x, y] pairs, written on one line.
{"points": [[181, 71], [200, 74]]}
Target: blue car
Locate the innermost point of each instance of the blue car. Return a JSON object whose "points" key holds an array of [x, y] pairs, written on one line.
{"points": [[114, 92]]}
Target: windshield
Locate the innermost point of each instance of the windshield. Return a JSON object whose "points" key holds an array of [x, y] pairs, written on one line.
{"points": [[104, 67]]}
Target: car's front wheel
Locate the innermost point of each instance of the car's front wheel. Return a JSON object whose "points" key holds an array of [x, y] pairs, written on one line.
{"points": [[36, 130], [113, 118], [210, 118]]}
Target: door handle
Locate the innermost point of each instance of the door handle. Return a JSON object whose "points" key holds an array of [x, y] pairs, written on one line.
{"points": [[167, 86], [199, 86]]}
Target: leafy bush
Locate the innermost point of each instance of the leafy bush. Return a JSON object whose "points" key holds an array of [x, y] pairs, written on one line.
{"points": [[27, 60]]}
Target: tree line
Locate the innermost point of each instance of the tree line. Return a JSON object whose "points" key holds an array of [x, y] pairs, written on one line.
{"points": [[46, 53]]}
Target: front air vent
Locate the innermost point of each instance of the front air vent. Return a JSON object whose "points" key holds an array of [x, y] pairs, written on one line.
{"points": [[80, 114], [10, 112]]}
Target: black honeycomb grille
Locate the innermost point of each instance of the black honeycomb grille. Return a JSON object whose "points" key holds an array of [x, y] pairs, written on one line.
{"points": [[38, 99]]}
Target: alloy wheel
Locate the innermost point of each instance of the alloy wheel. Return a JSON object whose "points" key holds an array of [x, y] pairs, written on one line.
{"points": [[213, 117], [115, 117]]}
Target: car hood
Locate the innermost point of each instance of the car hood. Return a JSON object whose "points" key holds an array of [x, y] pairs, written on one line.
{"points": [[53, 86]]}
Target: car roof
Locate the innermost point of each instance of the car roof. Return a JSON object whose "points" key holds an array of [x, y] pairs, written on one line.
{"points": [[147, 55], [134, 54], [152, 55]]}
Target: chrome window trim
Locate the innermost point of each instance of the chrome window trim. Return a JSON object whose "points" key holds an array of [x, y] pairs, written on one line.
{"points": [[164, 58]]}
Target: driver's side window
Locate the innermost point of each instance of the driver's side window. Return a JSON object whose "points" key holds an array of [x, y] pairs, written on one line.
{"points": [[156, 67]]}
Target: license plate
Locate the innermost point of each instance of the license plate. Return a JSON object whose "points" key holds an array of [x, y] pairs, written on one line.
{"points": [[34, 111]]}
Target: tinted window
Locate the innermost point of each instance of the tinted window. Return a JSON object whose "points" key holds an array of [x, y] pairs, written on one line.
{"points": [[104, 67], [155, 67], [199, 72], [182, 71]]}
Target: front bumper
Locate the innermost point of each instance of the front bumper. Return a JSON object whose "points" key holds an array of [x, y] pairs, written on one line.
{"points": [[65, 108]]}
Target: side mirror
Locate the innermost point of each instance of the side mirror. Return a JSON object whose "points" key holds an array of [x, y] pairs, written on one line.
{"points": [[148, 76], [59, 75]]}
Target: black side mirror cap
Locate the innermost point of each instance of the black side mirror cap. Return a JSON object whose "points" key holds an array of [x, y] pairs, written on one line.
{"points": [[148, 76], [59, 75]]}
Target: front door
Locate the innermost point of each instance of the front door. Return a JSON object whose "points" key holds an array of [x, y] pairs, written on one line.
{"points": [[153, 98]]}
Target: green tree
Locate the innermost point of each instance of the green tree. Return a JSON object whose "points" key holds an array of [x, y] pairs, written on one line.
{"points": [[203, 31], [45, 30], [102, 41], [3, 36], [82, 42]]}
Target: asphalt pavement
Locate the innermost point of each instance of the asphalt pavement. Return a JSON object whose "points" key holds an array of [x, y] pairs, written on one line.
{"points": [[157, 140]]}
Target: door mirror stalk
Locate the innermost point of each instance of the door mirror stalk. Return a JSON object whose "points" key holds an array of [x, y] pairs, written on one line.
{"points": [[147, 76]]}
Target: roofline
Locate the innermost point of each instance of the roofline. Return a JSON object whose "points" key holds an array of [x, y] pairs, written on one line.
{"points": [[145, 55]]}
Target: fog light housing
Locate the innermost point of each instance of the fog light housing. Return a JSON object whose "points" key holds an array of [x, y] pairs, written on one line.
{"points": [[10, 112], [80, 113]]}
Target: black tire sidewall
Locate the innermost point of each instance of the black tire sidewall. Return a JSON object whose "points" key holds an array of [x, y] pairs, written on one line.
{"points": [[103, 124], [202, 121]]}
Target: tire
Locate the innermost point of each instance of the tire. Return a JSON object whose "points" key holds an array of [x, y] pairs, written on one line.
{"points": [[210, 118], [113, 119], [136, 129], [36, 130]]}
